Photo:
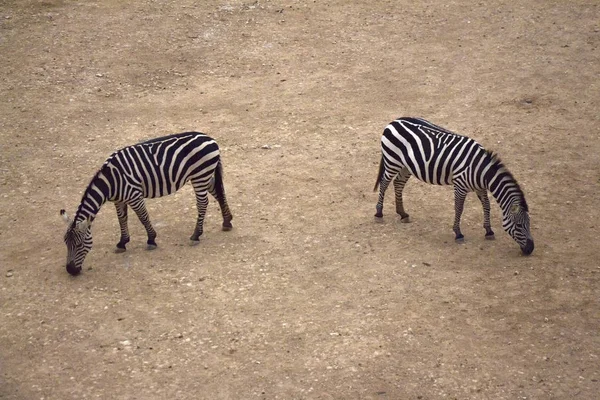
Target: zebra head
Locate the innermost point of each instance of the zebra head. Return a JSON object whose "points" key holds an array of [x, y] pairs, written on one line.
{"points": [[515, 221], [78, 239]]}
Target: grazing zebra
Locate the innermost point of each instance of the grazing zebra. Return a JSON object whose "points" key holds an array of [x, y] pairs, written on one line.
{"points": [[154, 168], [413, 146]]}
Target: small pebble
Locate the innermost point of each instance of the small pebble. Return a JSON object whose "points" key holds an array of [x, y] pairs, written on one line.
{"points": [[9, 274]]}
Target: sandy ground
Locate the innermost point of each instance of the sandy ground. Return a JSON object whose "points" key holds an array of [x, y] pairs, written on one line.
{"points": [[307, 298]]}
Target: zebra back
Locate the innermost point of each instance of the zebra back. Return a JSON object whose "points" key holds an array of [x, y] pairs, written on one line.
{"points": [[431, 153], [439, 156], [152, 168], [161, 166]]}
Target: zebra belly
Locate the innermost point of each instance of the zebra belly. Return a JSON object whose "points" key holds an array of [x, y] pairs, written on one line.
{"points": [[199, 172], [434, 172], [148, 194]]}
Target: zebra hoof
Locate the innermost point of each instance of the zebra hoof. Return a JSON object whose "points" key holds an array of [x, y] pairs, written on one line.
{"points": [[490, 237], [151, 246], [227, 227], [119, 250], [379, 218], [405, 220], [460, 239], [194, 242]]}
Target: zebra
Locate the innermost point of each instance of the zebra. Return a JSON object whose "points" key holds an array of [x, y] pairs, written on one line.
{"points": [[414, 146], [153, 168]]}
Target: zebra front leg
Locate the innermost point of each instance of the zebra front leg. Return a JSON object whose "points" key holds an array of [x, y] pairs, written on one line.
{"points": [[139, 206], [122, 216], [201, 203], [459, 204], [399, 183], [487, 225]]}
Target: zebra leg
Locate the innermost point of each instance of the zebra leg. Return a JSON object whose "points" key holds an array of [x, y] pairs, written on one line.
{"points": [[459, 204], [386, 178], [383, 185], [139, 206], [487, 225], [202, 204], [122, 216], [399, 183], [217, 190]]}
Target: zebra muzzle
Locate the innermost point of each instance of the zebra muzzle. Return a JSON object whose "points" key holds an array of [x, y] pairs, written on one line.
{"points": [[528, 248], [72, 269]]}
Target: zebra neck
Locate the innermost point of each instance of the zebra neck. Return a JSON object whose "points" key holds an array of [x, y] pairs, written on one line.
{"points": [[503, 186], [93, 198]]}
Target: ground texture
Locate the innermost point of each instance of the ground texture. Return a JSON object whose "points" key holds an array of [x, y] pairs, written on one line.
{"points": [[307, 298]]}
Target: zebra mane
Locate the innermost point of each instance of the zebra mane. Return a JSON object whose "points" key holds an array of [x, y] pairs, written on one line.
{"points": [[498, 167], [80, 209]]}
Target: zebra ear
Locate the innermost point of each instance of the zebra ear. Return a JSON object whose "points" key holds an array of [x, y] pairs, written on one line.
{"points": [[65, 216], [515, 208]]}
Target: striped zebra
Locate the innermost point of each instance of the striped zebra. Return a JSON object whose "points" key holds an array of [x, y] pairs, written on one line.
{"points": [[413, 146], [154, 168]]}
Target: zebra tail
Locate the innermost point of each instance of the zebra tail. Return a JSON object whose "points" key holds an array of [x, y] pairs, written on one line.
{"points": [[379, 175]]}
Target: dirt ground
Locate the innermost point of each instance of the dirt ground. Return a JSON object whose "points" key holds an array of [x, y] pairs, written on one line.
{"points": [[308, 297]]}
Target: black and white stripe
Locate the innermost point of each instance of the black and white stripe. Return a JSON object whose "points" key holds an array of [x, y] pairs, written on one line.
{"points": [[154, 168], [413, 146]]}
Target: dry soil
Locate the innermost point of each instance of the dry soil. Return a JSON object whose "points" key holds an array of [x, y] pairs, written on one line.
{"points": [[307, 298]]}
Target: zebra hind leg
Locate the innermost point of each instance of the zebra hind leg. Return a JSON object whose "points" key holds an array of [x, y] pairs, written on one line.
{"points": [[459, 204], [201, 204], [487, 225], [399, 183], [217, 190], [383, 180], [122, 216], [140, 209], [383, 185], [225, 211]]}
